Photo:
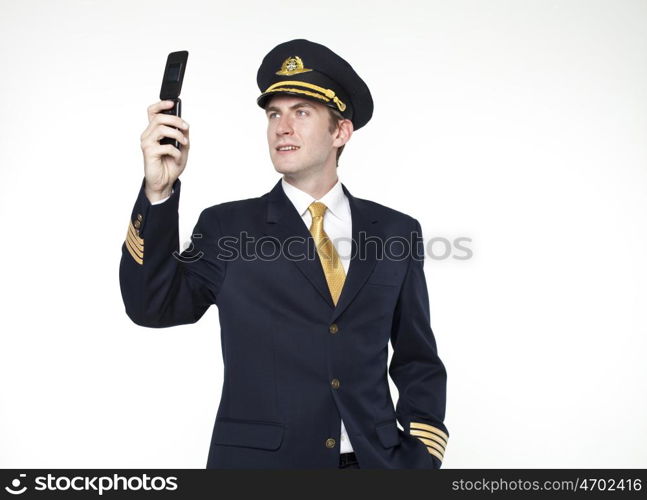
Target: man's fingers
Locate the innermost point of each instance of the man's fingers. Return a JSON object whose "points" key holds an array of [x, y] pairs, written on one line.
{"points": [[155, 108], [165, 124], [166, 149], [172, 120], [172, 133], [154, 138]]}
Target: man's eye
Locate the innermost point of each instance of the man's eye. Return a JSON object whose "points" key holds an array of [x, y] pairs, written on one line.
{"points": [[272, 115], [302, 112]]}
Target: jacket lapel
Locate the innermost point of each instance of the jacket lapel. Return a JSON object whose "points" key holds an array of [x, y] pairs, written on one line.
{"points": [[362, 260], [283, 221]]}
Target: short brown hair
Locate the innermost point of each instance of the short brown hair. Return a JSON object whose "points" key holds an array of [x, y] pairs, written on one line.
{"points": [[334, 118]]}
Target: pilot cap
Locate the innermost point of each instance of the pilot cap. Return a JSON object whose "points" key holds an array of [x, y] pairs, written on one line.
{"points": [[311, 70]]}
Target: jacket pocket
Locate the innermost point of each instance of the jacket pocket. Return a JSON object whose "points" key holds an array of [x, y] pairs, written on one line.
{"points": [[248, 433], [388, 433]]}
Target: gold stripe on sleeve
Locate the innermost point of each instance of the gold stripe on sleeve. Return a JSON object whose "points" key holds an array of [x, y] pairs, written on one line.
{"points": [[133, 254], [139, 252], [435, 453], [429, 436], [135, 235], [134, 244], [432, 444], [430, 428]]}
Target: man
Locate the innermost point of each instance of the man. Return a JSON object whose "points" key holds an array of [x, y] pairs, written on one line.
{"points": [[305, 322]]}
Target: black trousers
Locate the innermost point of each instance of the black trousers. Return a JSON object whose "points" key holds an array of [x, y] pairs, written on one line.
{"points": [[348, 461]]}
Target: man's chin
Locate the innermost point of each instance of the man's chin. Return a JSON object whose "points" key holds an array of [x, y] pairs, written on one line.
{"points": [[286, 168]]}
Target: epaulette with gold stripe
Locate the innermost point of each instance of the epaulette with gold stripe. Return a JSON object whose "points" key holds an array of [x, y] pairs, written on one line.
{"points": [[432, 437], [134, 243]]}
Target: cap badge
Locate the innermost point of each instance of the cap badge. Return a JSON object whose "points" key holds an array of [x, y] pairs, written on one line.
{"points": [[291, 66]]}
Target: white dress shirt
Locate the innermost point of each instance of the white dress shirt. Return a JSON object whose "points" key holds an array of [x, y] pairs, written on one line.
{"points": [[337, 225], [163, 199]]}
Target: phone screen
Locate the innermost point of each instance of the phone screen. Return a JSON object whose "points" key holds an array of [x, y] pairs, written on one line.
{"points": [[173, 73]]}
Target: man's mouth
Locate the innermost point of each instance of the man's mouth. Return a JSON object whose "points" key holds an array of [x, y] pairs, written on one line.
{"points": [[287, 148]]}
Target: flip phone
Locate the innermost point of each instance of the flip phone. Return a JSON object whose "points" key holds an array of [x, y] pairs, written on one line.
{"points": [[171, 87]]}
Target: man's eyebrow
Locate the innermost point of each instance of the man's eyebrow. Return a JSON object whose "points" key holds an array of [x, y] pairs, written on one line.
{"points": [[301, 104]]}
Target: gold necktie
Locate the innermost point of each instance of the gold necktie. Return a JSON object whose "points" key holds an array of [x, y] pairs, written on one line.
{"points": [[330, 261]]}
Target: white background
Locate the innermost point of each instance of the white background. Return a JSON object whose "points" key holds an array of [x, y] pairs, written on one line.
{"points": [[519, 124]]}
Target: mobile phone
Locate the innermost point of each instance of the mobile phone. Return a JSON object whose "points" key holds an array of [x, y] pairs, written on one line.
{"points": [[171, 87]]}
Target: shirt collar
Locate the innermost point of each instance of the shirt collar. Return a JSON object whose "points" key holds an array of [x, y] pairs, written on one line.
{"points": [[335, 199]]}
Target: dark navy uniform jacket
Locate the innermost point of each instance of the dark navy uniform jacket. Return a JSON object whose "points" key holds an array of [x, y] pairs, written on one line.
{"points": [[294, 363]]}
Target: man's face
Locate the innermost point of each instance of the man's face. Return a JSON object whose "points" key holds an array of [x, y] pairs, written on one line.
{"points": [[298, 136]]}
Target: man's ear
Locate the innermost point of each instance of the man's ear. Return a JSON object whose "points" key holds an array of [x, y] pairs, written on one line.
{"points": [[343, 133]]}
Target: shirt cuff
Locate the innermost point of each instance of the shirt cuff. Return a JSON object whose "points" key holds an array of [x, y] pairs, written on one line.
{"points": [[163, 199]]}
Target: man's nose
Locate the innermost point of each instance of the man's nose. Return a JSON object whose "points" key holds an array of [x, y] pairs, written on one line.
{"points": [[284, 126]]}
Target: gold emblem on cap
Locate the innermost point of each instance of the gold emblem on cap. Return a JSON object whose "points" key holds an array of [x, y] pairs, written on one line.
{"points": [[293, 65]]}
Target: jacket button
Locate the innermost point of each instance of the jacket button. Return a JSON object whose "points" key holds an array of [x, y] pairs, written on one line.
{"points": [[137, 224], [334, 383], [139, 217], [333, 328], [330, 443]]}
